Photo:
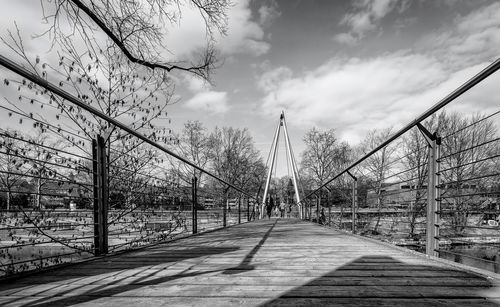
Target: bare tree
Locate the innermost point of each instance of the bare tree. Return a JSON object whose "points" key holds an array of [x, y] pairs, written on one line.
{"points": [[44, 152], [415, 152], [193, 144], [281, 185], [468, 162], [234, 157], [377, 166], [324, 157], [105, 81], [13, 168], [138, 28]]}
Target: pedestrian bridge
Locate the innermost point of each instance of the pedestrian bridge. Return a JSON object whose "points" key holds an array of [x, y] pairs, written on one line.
{"points": [[282, 262]]}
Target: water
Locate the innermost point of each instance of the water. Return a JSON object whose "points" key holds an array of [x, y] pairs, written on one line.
{"points": [[486, 257]]}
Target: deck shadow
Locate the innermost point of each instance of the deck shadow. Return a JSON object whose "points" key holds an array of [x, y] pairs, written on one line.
{"points": [[385, 281], [59, 276], [245, 263]]}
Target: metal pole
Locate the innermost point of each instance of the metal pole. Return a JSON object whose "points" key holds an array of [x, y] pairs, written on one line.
{"points": [[97, 195], [274, 149], [224, 211], [354, 204], [105, 194], [100, 196], [239, 210], [329, 215], [433, 190], [432, 243], [437, 219], [318, 201], [291, 160], [196, 198], [431, 187], [195, 203], [310, 212], [248, 210]]}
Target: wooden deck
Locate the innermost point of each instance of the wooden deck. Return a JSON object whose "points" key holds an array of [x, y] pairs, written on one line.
{"points": [[271, 262]]}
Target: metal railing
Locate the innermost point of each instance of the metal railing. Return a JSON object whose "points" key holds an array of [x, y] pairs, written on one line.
{"points": [[68, 195], [432, 186]]}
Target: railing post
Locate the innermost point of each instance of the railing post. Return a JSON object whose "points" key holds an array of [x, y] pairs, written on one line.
{"points": [[100, 196], [433, 192], [239, 210], [354, 204], [194, 215], [310, 212], [224, 211], [433, 198], [318, 200], [248, 209], [330, 215]]}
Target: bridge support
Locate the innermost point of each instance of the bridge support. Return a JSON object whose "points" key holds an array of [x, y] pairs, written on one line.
{"points": [[194, 216], [318, 202], [239, 210], [248, 209], [310, 212], [100, 196], [224, 211], [354, 204], [291, 161], [433, 191]]}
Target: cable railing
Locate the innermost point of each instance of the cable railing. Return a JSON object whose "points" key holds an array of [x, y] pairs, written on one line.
{"points": [[432, 186], [77, 183]]}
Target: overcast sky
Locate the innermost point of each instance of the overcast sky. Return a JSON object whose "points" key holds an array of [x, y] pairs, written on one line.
{"points": [[347, 65]]}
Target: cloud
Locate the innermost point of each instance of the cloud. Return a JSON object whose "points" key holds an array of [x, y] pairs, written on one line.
{"points": [[209, 101], [204, 98], [471, 37], [346, 38], [360, 95], [366, 18], [356, 95], [245, 33], [268, 13], [270, 80], [353, 94], [195, 84]]}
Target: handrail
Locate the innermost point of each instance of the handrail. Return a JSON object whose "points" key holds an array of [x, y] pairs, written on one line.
{"points": [[490, 69], [65, 95]]}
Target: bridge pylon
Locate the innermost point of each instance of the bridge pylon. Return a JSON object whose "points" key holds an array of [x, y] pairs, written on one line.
{"points": [[290, 160]]}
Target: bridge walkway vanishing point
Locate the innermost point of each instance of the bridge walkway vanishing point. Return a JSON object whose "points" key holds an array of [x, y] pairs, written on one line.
{"points": [[268, 262]]}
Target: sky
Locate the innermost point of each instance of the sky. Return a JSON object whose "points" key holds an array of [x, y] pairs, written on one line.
{"points": [[351, 66], [347, 65]]}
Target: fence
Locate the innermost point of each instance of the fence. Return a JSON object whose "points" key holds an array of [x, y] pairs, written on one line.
{"points": [[68, 194], [432, 186]]}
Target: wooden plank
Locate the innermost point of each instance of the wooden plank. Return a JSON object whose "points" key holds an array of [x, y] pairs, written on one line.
{"points": [[273, 280], [275, 263], [229, 302]]}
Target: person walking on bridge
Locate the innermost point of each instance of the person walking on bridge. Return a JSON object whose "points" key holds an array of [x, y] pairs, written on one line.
{"points": [[270, 206]]}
